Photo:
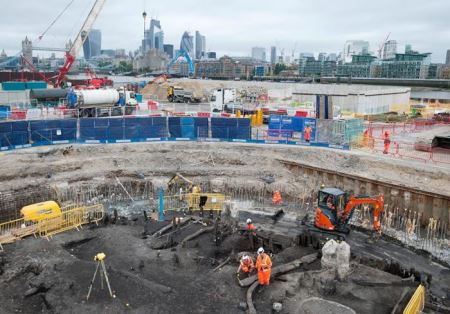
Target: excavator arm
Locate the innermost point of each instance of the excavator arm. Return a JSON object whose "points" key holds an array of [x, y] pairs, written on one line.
{"points": [[378, 205]]}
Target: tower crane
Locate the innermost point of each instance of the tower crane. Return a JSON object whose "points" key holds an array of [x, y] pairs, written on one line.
{"points": [[79, 40], [380, 49]]}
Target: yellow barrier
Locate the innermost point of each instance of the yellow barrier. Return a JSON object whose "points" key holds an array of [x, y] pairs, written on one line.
{"points": [[15, 229], [191, 201], [213, 201], [417, 302], [72, 217]]}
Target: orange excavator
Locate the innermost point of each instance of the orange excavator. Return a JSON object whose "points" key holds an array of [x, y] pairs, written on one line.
{"points": [[335, 209]]}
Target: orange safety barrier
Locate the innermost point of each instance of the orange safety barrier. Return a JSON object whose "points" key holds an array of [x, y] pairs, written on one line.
{"points": [[403, 150], [377, 130]]}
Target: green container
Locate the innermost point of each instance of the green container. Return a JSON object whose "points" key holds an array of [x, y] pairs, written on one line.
{"points": [[139, 97], [36, 85], [10, 86]]}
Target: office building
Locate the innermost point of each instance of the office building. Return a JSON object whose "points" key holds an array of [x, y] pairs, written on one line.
{"points": [[407, 65], [259, 53], [322, 56], [408, 48], [111, 53], [331, 57], [168, 49], [211, 55], [310, 67], [354, 47], [361, 66], [92, 46], [153, 37], [120, 53], [200, 45], [187, 43], [389, 50], [273, 55], [447, 59]]}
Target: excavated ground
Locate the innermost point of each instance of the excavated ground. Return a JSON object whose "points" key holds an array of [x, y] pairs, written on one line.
{"points": [[151, 276], [232, 164], [37, 275]]}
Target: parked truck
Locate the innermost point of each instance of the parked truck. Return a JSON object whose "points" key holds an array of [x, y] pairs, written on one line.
{"points": [[179, 94], [102, 102], [220, 97]]}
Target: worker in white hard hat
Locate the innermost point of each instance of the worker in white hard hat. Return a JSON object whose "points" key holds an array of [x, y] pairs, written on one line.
{"points": [[264, 267], [246, 265], [251, 233], [250, 227]]}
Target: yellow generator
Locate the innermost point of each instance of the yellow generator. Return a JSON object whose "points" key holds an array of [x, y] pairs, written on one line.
{"points": [[41, 211]]}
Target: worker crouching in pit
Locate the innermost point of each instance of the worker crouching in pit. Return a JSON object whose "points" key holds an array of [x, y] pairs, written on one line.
{"points": [[246, 266]]}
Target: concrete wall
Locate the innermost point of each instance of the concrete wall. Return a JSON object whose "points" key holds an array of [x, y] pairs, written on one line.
{"points": [[14, 97], [361, 99]]}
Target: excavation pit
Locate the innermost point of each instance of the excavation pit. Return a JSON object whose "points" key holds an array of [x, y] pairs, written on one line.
{"points": [[165, 274]]}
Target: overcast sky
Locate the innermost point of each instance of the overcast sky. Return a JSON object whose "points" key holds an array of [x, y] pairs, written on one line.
{"points": [[234, 26]]}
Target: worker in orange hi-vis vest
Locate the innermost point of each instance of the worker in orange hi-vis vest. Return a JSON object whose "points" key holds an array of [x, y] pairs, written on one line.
{"points": [[246, 265], [387, 142], [307, 134], [365, 141], [264, 267], [250, 227], [276, 198]]}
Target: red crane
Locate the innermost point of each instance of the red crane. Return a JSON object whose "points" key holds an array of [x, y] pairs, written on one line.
{"points": [[79, 40]]}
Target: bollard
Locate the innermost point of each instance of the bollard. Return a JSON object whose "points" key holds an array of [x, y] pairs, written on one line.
{"points": [[161, 205]]}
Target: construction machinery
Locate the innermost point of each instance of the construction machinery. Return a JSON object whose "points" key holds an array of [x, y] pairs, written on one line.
{"points": [[95, 81], [46, 219], [336, 207], [185, 194], [99, 102], [178, 181], [179, 94], [79, 40]]}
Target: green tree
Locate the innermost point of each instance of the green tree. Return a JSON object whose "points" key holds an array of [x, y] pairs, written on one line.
{"points": [[278, 68], [124, 66]]}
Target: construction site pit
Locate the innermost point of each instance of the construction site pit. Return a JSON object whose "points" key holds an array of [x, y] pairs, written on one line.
{"points": [[187, 262]]}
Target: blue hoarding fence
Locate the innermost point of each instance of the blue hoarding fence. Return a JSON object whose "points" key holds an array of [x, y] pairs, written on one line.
{"points": [[20, 134]]}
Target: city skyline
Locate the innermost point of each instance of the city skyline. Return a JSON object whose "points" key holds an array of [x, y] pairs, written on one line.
{"points": [[260, 26]]}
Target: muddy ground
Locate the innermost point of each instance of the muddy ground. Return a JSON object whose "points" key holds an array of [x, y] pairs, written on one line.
{"points": [[237, 165], [40, 276]]}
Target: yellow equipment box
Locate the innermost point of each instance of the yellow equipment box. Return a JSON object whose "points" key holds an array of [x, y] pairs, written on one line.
{"points": [[40, 211]]}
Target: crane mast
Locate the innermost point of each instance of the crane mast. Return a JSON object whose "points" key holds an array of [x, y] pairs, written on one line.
{"points": [[79, 40]]}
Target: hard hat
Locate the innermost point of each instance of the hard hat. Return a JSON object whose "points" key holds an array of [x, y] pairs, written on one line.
{"points": [[260, 250], [244, 257], [249, 221]]}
